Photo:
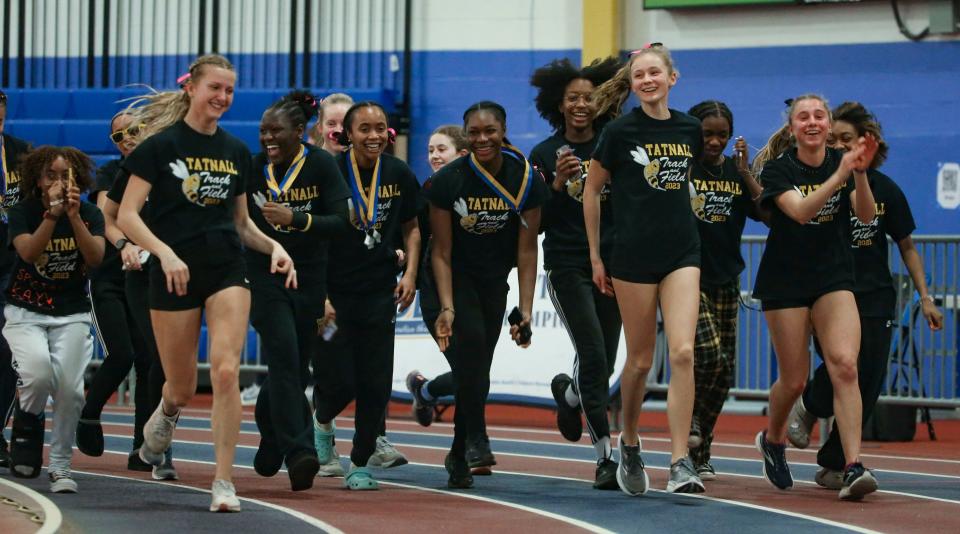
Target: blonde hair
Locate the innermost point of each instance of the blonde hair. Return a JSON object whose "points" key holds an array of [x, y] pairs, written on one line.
{"points": [[782, 139], [611, 95], [158, 110], [315, 135]]}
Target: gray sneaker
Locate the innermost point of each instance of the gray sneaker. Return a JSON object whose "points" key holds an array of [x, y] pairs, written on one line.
{"points": [[695, 439], [165, 471], [684, 478], [631, 477], [157, 436], [386, 455], [828, 478], [800, 425], [62, 482], [224, 497]]}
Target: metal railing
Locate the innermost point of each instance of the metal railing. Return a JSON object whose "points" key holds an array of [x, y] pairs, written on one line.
{"points": [[923, 368]]}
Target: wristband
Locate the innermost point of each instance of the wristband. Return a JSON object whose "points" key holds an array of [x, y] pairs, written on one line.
{"points": [[444, 309], [49, 216], [929, 297]]}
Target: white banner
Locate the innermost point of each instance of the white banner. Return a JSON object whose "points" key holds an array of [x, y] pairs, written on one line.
{"points": [[517, 375]]}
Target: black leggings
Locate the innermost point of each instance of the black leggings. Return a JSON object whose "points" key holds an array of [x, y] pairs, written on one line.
{"points": [[123, 348], [287, 323], [358, 364], [480, 306], [137, 289], [875, 334], [593, 322]]}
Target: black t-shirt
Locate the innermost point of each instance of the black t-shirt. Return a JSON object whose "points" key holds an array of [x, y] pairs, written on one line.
{"points": [[13, 150], [311, 192], [111, 267], [485, 228], [721, 204], [354, 268], [565, 243], [648, 161], [195, 179], [874, 285], [802, 260], [56, 283]]}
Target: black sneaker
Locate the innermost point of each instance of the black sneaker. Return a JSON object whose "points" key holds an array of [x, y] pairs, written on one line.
{"points": [[134, 463], [302, 468], [606, 478], [422, 409], [26, 444], [775, 467], [479, 453], [684, 478], [568, 419], [90, 437], [460, 477], [269, 459], [706, 471], [4, 452], [858, 482]]}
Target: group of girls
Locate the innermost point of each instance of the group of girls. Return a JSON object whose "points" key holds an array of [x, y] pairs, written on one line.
{"points": [[298, 238]]}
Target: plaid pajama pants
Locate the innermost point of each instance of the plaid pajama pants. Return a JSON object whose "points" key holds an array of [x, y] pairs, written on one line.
{"points": [[714, 357]]}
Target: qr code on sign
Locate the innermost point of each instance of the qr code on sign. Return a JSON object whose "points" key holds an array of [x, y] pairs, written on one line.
{"points": [[950, 179]]}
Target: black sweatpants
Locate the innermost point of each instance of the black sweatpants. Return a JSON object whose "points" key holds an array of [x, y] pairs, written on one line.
{"points": [[287, 321], [442, 385], [123, 347], [137, 289], [358, 362], [593, 322], [480, 306], [875, 334]]}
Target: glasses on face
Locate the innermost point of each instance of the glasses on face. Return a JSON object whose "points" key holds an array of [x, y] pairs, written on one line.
{"points": [[130, 131]]}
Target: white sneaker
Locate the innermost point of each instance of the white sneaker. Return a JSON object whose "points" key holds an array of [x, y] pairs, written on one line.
{"points": [[224, 497], [62, 482], [333, 468], [800, 425], [386, 455], [157, 435], [248, 397]]}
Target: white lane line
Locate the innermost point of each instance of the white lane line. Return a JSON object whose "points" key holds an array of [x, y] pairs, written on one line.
{"points": [[52, 518], [310, 520]]}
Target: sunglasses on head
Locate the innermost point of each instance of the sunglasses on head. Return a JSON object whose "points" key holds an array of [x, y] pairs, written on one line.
{"points": [[130, 131]]}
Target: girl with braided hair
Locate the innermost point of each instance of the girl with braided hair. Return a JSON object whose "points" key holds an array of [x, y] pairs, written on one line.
{"points": [[299, 199], [195, 174]]}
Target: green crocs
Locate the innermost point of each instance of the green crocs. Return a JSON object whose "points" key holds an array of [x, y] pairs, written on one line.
{"points": [[360, 479]]}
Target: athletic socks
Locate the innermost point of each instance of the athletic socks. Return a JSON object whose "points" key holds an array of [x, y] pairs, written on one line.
{"points": [[571, 397], [602, 446]]}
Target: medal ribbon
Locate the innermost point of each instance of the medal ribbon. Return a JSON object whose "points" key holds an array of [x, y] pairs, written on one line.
{"points": [[288, 178], [3, 177], [366, 203], [515, 202]]}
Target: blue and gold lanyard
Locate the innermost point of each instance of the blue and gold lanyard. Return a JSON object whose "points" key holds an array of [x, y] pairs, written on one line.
{"points": [[515, 202], [366, 204], [278, 190]]}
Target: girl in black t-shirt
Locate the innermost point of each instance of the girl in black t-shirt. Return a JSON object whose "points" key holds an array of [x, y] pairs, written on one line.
{"points": [[646, 155], [195, 174], [485, 216], [363, 288], [11, 150], [57, 238], [805, 279], [299, 199], [565, 99], [874, 293], [721, 193]]}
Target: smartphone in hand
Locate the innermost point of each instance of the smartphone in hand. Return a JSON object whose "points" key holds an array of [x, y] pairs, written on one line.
{"points": [[515, 318]]}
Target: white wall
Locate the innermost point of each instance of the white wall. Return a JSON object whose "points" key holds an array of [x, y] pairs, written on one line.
{"points": [[770, 25]]}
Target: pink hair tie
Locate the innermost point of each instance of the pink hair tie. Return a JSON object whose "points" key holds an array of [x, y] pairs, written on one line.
{"points": [[647, 47], [391, 135], [333, 135], [182, 80]]}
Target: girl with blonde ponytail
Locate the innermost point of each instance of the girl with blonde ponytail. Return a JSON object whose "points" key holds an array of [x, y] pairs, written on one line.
{"points": [[195, 174]]}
